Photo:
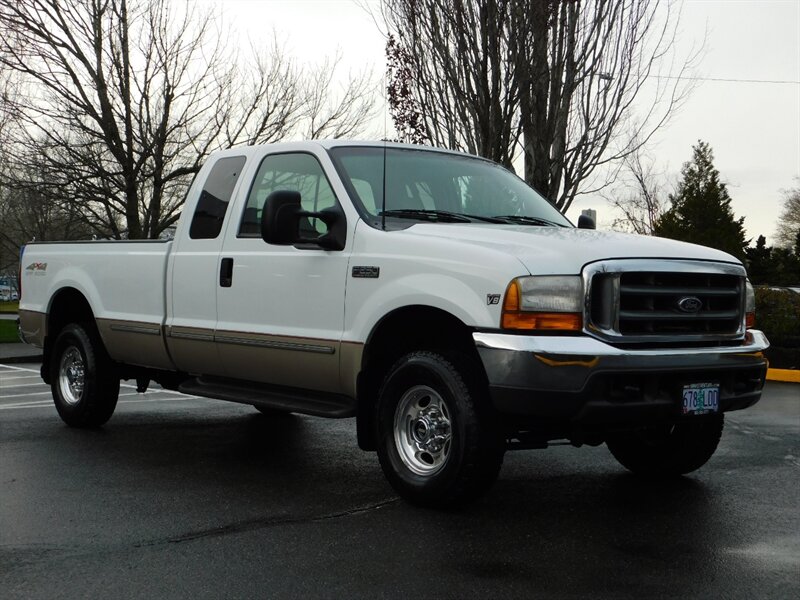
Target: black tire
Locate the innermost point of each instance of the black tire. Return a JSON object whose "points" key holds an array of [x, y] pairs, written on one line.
{"points": [[79, 356], [450, 399], [668, 450]]}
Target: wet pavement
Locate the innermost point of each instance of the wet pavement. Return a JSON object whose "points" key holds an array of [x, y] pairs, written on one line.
{"points": [[187, 497]]}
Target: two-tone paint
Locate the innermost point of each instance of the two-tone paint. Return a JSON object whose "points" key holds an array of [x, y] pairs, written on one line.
{"points": [[300, 317]]}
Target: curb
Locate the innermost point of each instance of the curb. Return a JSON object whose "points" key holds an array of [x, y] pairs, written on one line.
{"points": [[786, 375]]}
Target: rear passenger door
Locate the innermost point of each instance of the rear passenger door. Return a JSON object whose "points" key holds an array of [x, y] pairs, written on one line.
{"points": [[280, 317], [193, 274]]}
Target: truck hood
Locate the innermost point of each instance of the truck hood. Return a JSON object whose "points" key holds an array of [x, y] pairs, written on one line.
{"points": [[560, 250]]}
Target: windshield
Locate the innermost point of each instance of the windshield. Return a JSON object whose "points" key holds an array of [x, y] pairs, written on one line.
{"points": [[423, 185]]}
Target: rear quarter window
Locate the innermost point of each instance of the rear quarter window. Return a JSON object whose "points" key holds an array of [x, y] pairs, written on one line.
{"points": [[215, 197]]}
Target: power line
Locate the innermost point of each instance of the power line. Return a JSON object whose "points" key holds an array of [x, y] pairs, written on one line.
{"points": [[728, 80]]}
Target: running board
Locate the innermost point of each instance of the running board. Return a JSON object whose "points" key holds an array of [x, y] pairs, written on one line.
{"points": [[317, 404]]}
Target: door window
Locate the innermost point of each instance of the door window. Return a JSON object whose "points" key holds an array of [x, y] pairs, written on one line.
{"points": [[295, 172]]}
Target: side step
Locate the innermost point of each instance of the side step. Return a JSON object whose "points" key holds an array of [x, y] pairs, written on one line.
{"points": [[318, 404]]}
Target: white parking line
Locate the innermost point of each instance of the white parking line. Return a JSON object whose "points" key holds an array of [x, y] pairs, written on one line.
{"points": [[160, 400], [49, 403], [24, 395], [125, 385], [19, 368], [16, 385], [158, 390], [35, 404], [15, 377]]}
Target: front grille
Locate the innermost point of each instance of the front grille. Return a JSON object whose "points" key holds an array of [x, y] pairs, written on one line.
{"points": [[666, 305]]}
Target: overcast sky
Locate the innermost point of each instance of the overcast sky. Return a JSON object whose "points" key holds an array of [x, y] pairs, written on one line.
{"points": [[753, 128]]}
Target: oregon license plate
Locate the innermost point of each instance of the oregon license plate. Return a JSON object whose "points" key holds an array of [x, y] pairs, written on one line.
{"points": [[700, 398]]}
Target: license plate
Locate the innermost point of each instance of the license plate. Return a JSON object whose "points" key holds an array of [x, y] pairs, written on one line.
{"points": [[700, 398]]}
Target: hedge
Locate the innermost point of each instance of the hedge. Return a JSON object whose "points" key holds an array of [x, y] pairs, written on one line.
{"points": [[778, 316], [8, 331]]}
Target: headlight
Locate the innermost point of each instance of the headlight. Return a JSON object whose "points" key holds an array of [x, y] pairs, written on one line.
{"points": [[749, 305], [553, 302]]}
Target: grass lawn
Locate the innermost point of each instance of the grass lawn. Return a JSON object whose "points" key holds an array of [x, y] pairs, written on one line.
{"points": [[9, 307], [8, 331]]}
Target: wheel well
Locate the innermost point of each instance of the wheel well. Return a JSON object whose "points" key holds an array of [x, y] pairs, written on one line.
{"points": [[400, 332], [68, 306]]}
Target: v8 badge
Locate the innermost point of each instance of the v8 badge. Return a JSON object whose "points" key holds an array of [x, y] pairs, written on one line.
{"points": [[492, 299]]}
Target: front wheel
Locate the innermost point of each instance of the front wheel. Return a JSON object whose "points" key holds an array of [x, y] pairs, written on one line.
{"points": [[84, 383], [668, 450], [438, 440]]}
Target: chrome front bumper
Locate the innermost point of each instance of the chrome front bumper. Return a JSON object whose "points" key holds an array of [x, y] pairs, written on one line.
{"points": [[559, 375]]}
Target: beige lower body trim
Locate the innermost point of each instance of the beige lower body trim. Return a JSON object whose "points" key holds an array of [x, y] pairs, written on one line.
{"points": [[323, 365], [33, 326], [307, 363], [135, 343], [193, 349], [350, 366]]}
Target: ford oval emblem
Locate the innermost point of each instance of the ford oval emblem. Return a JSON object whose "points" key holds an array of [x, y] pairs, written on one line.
{"points": [[690, 304]]}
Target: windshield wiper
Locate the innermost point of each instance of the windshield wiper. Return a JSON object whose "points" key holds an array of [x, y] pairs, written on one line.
{"points": [[482, 218], [454, 217], [426, 214], [525, 220]]}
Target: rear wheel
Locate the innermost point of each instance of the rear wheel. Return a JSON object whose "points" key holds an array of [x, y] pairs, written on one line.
{"points": [[668, 450], [84, 382], [438, 440]]}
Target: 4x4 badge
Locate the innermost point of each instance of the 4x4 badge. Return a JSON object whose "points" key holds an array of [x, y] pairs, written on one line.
{"points": [[37, 268]]}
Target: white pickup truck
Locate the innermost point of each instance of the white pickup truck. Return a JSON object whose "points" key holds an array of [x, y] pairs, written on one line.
{"points": [[430, 294]]}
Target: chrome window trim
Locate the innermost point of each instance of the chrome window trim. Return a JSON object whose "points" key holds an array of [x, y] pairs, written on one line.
{"points": [[619, 266]]}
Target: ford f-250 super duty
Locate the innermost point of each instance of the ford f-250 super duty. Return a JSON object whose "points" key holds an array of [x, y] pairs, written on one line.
{"points": [[432, 295]]}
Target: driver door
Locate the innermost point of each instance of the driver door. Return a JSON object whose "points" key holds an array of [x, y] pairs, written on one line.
{"points": [[280, 318]]}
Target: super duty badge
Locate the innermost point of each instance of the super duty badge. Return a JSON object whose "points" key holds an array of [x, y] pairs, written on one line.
{"points": [[367, 272]]}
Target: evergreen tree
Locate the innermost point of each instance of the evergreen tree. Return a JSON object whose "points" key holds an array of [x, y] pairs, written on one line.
{"points": [[786, 266], [775, 266], [761, 268], [701, 208]]}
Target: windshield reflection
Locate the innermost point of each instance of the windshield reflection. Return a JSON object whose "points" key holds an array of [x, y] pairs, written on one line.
{"points": [[430, 186]]}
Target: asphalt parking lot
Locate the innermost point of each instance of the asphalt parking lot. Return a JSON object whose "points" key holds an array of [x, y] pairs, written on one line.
{"points": [[186, 497]]}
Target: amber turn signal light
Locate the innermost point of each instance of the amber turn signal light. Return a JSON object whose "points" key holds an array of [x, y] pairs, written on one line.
{"points": [[542, 321]]}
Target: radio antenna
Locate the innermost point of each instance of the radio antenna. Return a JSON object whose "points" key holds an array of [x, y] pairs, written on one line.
{"points": [[383, 212]]}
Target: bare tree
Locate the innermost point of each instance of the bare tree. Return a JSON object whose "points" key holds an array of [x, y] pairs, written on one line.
{"points": [[403, 106], [640, 198], [126, 99], [788, 230], [7, 101], [27, 213], [330, 113], [556, 79], [463, 76]]}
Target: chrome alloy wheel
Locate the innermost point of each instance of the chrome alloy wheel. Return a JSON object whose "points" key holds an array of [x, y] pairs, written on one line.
{"points": [[71, 375], [422, 430]]}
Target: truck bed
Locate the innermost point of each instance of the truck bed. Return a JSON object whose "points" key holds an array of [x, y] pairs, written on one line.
{"points": [[124, 282]]}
